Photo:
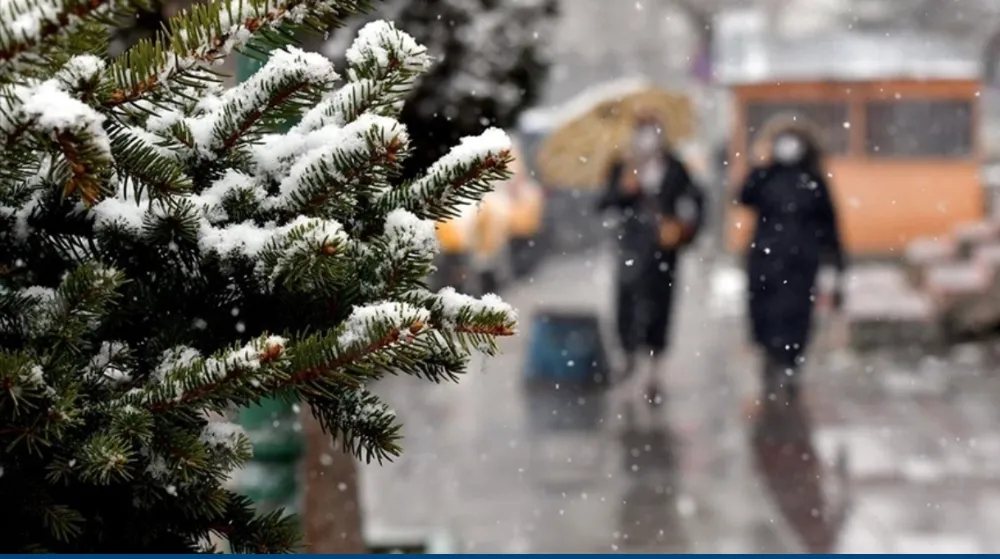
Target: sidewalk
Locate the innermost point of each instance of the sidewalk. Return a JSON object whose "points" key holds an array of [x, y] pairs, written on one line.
{"points": [[483, 460], [907, 442], [922, 445]]}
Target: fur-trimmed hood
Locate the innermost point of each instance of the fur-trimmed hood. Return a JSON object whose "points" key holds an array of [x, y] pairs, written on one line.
{"points": [[787, 123]]}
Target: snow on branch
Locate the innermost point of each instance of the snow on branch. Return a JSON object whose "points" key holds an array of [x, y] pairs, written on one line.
{"points": [[308, 257], [366, 338], [407, 236], [27, 24], [464, 175], [283, 83], [457, 312], [184, 377], [209, 32], [49, 111], [383, 65], [380, 48], [326, 180]]}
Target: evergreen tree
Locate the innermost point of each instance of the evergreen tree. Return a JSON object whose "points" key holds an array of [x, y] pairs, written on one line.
{"points": [[168, 255], [492, 65]]}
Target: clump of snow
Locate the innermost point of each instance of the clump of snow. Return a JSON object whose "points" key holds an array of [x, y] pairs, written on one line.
{"points": [[368, 134], [22, 229], [246, 358], [175, 358], [491, 143], [284, 67], [245, 238], [157, 468], [53, 110], [454, 305], [163, 119], [229, 184], [103, 363], [42, 294], [27, 22], [81, 69], [388, 315], [127, 213], [35, 376], [406, 233], [387, 46], [312, 233], [160, 145], [222, 434]]}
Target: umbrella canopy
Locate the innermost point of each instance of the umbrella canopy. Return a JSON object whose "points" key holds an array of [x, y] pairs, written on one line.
{"points": [[579, 153]]}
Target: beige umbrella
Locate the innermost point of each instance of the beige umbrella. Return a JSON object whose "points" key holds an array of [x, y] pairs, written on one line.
{"points": [[579, 153]]}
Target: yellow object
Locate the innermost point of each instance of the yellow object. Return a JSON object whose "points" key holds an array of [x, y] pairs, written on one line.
{"points": [[450, 236], [579, 153], [526, 215], [486, 237], [527, 202]]}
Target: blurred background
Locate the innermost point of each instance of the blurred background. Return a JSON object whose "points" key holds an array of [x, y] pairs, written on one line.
{"points": [[894, 444]]}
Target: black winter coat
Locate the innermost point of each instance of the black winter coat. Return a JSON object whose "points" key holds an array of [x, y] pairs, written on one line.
{"points": [[638, 232], [645, 270], [796, 231]]}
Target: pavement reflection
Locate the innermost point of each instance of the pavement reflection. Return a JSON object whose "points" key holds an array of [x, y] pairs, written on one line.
{"points": [[784, 454]]}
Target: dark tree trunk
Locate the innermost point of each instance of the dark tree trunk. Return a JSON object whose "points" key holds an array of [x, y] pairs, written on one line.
{"points": [[332, 510]]}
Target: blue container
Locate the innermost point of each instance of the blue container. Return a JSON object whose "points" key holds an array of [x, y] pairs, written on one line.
{"points": [[567, 349]]}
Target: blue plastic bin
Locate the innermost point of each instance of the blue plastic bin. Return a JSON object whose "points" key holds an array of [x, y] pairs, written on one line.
{"points": [[566, 348]]}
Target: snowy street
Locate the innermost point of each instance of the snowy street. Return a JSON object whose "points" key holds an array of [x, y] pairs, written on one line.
{"points": [[905, 454]]}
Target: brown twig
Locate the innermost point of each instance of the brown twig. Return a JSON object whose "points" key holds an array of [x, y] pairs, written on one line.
{"points": [[79, 177]]}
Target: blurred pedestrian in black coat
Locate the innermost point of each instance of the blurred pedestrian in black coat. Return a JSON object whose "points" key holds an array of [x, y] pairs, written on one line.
{"points": [[661, 210], [796, 232]]}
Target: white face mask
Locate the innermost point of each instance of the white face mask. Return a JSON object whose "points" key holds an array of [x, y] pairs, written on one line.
{"points": [[789, 149], [646, 140]]}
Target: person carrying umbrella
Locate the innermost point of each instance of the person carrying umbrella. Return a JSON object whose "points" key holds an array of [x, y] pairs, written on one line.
{"points": [[796, 232], [661, 210]]}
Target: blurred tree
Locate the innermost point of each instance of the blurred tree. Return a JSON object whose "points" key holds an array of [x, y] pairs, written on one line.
{"points": [[490, 64], [147, 20]]}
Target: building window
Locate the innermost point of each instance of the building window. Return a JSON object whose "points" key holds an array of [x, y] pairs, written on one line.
{"points": [[919, 129], [829, 119]]}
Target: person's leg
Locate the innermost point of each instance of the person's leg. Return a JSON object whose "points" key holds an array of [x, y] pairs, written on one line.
{"points": [[770, 378], [781, 374], [794, 381], [657, 333], [625, 323]]}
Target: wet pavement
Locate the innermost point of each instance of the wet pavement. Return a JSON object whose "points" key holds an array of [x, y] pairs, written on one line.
{"points": [[884, 455]]}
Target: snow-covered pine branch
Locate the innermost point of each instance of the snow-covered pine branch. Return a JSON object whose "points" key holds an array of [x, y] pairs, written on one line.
{"points": [[464, 175], [291, 78], [383, 66], [31, 25], [208, 33], [492, 63], [52, 114]]}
